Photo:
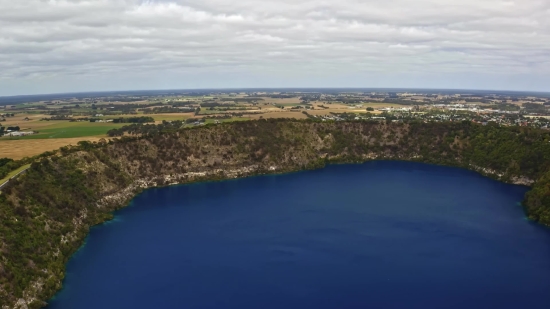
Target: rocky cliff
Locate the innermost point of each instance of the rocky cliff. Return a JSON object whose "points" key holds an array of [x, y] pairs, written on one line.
{"points": [[46, 214]]}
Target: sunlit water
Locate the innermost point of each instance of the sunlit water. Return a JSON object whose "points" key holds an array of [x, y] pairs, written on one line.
{"points": [[376, 235]]}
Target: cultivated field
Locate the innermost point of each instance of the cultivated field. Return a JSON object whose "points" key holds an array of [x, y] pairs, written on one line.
{"points": [[18, 149], [71, 130], [65, 121], [171, 117]]}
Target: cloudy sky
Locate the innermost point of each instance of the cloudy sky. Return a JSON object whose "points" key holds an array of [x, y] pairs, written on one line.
{"points": [[50, 46]]}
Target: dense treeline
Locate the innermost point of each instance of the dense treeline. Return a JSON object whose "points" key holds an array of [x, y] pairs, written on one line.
{"points": [[126, 107], [400, 101], [137, 119], [146, 129], [281, 96], [237, 100], [141, 119], [535, 108], [168, 110], [6, 166], [45, 214]]}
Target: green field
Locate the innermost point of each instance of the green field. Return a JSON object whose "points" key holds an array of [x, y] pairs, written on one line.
{"points": [[170, 117], [71, 129]]}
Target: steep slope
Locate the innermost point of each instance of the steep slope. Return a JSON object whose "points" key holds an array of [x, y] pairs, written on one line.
{"points": [[46, 214]]}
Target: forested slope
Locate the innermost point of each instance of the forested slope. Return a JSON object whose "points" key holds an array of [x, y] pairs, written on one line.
{"points": [[46, 214]]}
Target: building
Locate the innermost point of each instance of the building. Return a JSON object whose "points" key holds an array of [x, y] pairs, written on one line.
{"points": [[19, 133]]}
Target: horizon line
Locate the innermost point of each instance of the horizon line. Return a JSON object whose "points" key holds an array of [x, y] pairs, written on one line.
{"points": [[270, 88]]}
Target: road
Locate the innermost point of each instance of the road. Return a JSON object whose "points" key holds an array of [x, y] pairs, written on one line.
{"points": [[14, 176]]}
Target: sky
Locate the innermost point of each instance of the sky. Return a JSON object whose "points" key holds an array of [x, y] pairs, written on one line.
{"points": [[55, 46]]}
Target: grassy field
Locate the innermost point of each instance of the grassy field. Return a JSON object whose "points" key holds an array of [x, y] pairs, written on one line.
{"points": [[170, 117], [54, 134], [18, 149], [70, 130], [13, 173]]}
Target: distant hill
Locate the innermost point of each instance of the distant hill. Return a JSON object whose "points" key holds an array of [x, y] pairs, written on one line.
{"points": [[12, 100]]}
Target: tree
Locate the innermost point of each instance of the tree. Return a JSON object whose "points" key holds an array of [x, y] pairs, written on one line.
{"points": [[370, 109]]}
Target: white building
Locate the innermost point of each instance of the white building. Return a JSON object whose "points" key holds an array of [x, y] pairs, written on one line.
{"points": [[19, 133]]}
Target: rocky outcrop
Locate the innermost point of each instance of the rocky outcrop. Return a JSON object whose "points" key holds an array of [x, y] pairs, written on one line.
{"points": [[62, 196]]}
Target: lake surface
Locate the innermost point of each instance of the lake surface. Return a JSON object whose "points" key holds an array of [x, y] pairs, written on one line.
{"points": [[376, 235]]}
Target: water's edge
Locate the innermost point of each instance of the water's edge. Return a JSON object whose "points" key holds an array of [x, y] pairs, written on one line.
{"points": [[124, 197]]}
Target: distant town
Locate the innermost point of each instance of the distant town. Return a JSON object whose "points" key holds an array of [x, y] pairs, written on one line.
{"points": [[27, 121]]}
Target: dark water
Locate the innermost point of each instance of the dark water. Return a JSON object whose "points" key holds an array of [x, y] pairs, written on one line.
{"points": [[377, 235]]}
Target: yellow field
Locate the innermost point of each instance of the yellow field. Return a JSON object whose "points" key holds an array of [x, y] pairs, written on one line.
{"points": [[281, 101], [55, 134], [33, 123], [18, 149]]}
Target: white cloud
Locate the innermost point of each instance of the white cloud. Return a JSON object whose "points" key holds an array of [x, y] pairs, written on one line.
{"points": [[74, 45]]}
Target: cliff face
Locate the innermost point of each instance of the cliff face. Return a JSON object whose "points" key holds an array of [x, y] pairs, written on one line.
{"points": [[46, 214]]}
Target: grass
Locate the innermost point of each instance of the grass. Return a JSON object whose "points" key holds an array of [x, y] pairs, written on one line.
{"points": [[70, 130], [18, 149], [170, 117], [13, 173]]}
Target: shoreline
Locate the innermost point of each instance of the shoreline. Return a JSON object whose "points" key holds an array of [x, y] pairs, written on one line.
{"points": [[80, 187], [124, 197], [144, 185]]}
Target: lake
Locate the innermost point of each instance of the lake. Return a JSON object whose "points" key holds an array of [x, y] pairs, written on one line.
{"points": [[376, 235]]}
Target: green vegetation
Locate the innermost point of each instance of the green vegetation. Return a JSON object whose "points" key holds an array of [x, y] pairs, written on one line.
{"points": [[71, 129], [150, 129], [534, 108], [167, 109], [227, 119], [13, 173], [141, 119], [10, 168], [46, 213]]}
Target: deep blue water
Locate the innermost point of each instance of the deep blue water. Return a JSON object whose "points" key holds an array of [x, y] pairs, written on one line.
{"points": [[376, 235]]}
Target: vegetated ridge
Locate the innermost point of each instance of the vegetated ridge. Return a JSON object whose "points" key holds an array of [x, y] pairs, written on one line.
{"points": [[46, 214]]}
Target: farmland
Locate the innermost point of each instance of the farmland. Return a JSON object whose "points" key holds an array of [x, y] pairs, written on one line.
{"points": [[71, 130], [46, 124], [18, 149]]}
